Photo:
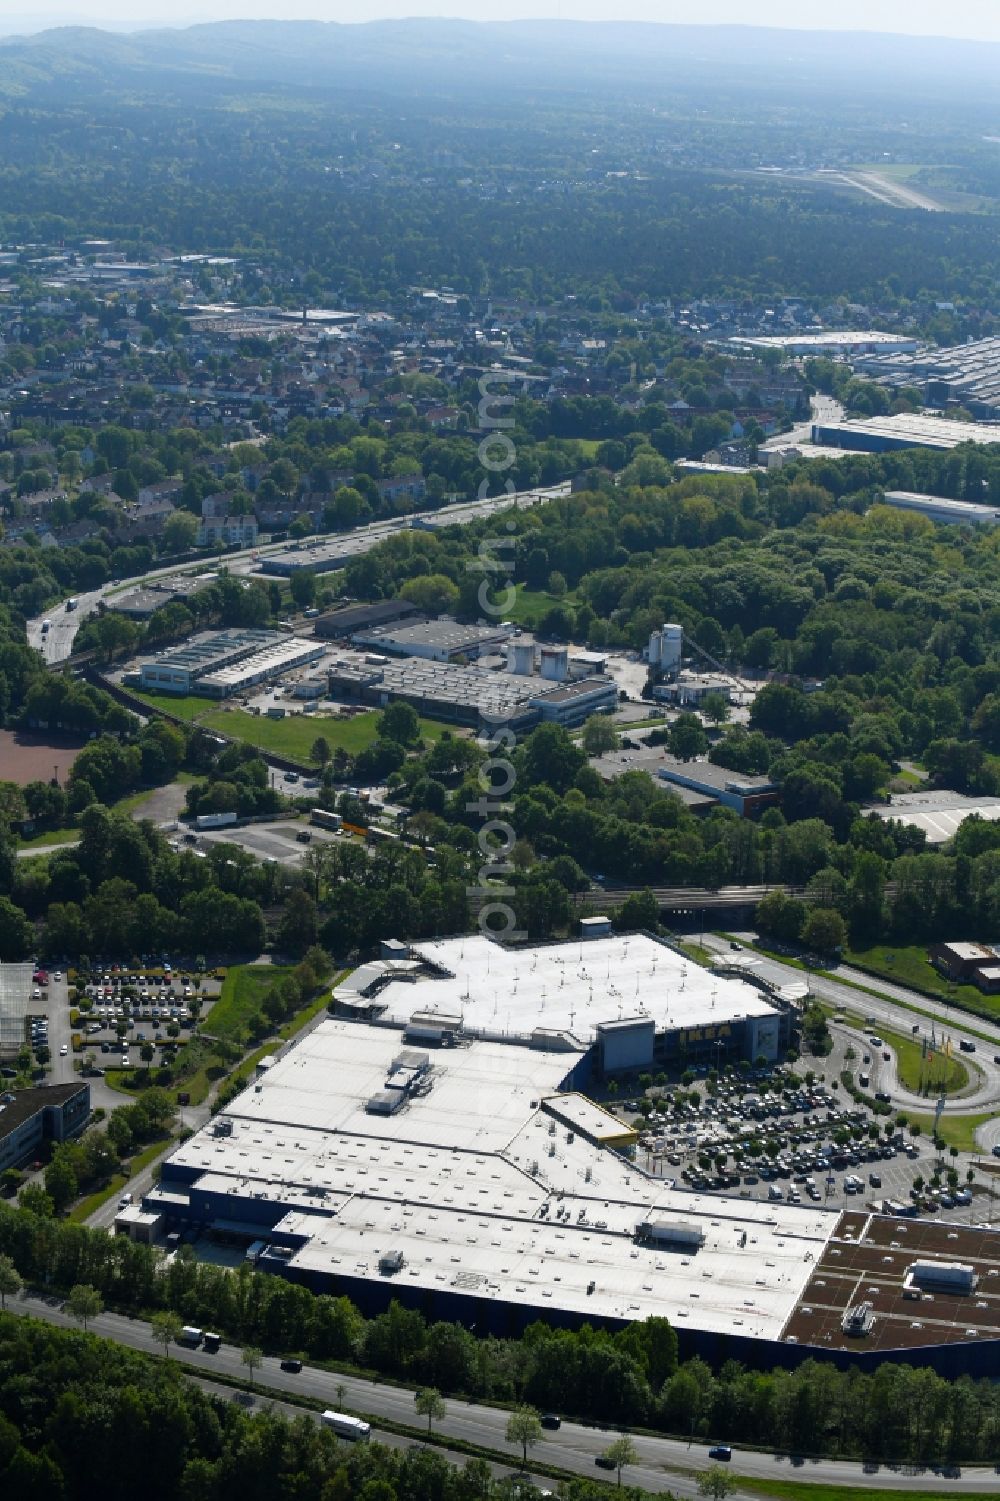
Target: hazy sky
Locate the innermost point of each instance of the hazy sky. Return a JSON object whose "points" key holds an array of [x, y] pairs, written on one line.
{"points": [[960, 18]]}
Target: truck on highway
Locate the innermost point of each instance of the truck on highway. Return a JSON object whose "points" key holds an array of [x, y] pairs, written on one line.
{"points": [[214, 820], [212, 1342], [190, 1335], [71, 604], [346, 1426]]}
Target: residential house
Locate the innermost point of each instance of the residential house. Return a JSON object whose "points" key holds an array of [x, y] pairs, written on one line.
{"points": [[229, 531], [402, 487]]}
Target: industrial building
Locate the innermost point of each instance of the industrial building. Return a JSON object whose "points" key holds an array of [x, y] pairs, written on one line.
{"points": [[30, 1117], [15, 991], [666, 649], [945, 512], [624, 1002], [966, 375], [218, 664], [318, 557], [938, 814], [340, 625], [473, 696], [747, 795], [441, 640], [469, 1177], [904, 430], [832, 343], [141, 603]]}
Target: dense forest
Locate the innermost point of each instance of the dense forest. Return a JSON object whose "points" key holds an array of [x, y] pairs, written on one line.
{"points": [[358, 194]]}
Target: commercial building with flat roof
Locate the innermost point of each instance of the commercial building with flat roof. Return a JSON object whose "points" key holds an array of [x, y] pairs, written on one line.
{"points": [[441, 640], [471, 1178], [563, 992], [938, 814], [937, 508], [833, 342], [965, 374], [494, 1194], [745, 794], [30, 1117], [220, 663], [318, 557], [472, 696], [904, 430]]}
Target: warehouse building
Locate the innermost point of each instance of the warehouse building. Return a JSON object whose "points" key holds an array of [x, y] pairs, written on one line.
{"points": [[473, 696], [938, 814], [945, 512], [488, 1194], [217, 664], [623, 1002], [441, 640], [904, 430], [340, 625], [747, 795], [31, 1117], [833, 343], [966, 375], [493, 1193]]}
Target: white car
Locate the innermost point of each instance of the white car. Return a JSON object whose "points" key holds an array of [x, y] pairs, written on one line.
{"points": [[63, 1051], [57, 974]]}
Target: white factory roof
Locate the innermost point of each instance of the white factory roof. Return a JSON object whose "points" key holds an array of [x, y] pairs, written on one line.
{"points": [[939, 814], [961, 510], [921, 429], [833, 339], [290, 651], [568, 987], [484, 1193]]}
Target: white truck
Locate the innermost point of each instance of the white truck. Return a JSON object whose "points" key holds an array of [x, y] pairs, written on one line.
{"points": [[346, 1426], [214, 820]]}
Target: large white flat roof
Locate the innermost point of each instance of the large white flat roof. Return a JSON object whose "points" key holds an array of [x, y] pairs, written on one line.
{"points": [[484, 1192], [569, 987]]}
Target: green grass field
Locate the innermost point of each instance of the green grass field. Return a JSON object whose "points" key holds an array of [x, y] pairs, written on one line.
{"points": [[189, 707], [933, 1074], [292, 736], [909, 966], [532, 604], [804, 1490], [239, 1002], [956, 1130]]}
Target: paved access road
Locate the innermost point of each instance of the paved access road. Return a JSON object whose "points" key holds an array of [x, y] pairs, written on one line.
{"points": [[663, 1464], [892, 1008], [56, 644]]}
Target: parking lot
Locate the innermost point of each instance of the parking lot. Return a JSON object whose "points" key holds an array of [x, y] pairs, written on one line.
{"points": [[767, 1137], [122, 1009], [284, 842]]}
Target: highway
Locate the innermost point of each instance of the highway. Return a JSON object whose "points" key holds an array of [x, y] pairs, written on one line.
{"points": [[56, 644], [662, 1463]]}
